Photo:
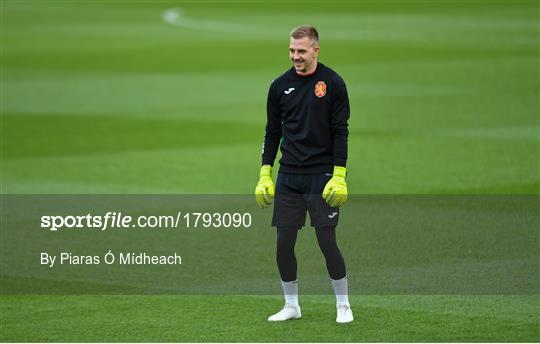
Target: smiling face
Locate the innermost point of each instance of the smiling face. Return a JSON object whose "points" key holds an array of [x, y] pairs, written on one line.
{"points": [[303, 53]]}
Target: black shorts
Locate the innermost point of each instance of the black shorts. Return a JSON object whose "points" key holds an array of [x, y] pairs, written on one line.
{"points": [[297, 194]]}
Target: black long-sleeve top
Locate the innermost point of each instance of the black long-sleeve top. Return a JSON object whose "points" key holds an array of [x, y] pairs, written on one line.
{"points": [[309, 115]]}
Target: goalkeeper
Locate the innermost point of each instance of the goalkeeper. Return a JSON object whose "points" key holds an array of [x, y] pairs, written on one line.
{"points": [[307, 114]]}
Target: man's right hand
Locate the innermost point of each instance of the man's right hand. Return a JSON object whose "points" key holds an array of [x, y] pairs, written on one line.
{"points": [[264, 192]]}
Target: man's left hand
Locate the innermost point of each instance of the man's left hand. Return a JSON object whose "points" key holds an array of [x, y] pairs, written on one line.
{"points": [[335, 191]]}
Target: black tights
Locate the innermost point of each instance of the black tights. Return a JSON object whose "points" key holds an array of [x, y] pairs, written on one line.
{"points": [[286, 259]]}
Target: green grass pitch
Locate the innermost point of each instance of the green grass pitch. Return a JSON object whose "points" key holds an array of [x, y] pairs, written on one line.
{"points": [[155, 98]]}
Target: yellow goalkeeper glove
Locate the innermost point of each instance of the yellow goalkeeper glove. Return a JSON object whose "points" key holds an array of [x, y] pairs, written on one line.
{"points": [[335, 191], [264, 192]]}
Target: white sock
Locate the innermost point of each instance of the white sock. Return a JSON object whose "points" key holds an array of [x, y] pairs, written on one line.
{"points": [[341, 289], [290, 291]]}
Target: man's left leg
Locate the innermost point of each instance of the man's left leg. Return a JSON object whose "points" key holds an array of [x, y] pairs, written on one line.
{"points": [[335, 264]]}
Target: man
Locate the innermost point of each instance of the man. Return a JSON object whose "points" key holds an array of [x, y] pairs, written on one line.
{"points": [[307, 113]]}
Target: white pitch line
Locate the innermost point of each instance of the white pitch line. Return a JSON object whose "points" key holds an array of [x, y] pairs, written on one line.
{"points": [[363, 27], [175, 16]]}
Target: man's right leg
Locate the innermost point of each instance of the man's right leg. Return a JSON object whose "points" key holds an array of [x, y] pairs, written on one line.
{"points": [[285, 257], [287, 266], [289, 216]]}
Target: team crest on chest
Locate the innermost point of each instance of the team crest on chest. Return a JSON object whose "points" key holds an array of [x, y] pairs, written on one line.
{"points": [[320, 89]]}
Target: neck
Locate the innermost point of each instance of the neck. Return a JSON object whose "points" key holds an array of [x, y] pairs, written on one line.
{"points": [[310, 70]]}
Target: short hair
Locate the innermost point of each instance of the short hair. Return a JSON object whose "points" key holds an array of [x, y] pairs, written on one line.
{"points": [[306, 31]]}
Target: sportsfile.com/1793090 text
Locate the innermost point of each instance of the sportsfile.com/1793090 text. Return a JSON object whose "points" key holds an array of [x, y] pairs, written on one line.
{"points": [[117, 220]]}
